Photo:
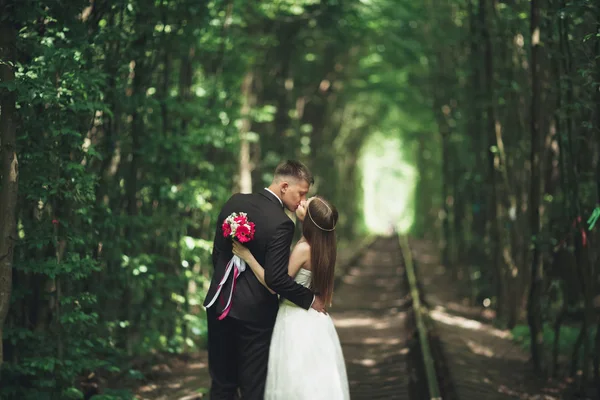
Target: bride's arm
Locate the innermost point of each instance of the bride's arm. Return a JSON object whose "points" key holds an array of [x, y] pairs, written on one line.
{"points": [[298, 258], [242, 252]]}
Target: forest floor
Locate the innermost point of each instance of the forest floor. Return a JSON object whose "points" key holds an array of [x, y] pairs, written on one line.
{"points": [[178, 378], [485, 362]]}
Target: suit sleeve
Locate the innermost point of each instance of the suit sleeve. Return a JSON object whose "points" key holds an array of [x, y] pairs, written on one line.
{"points": [[276, 268]]}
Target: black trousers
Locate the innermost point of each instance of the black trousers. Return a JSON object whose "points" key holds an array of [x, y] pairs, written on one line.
{"points": [[238, 356]]}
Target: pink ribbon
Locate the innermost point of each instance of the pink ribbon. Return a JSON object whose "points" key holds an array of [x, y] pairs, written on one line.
{"points": [[238, 266]]}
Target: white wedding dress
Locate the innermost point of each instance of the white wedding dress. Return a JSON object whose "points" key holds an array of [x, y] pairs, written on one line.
{"points": [[305, 358]]}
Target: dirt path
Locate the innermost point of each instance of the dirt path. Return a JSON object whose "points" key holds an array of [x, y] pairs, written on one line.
{"points": [[180, 379], [371, 312], [484, 362]]}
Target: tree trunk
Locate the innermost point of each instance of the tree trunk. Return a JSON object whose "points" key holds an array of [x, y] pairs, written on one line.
{"points": [[245, 185], [446, 249], [9, 174], [459, 203], [597, 341], [476, 251], [186, 79], [492, 214], [534, 313], [132, 183]]}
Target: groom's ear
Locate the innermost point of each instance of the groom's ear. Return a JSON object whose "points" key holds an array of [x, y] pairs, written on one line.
{"points": [[283, 186]]}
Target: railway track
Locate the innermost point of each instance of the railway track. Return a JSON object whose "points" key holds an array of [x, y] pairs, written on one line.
{"points": [[386, 342], [398, 346]]}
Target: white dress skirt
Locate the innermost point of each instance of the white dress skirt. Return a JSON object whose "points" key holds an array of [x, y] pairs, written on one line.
{"points": [[305, 358]]}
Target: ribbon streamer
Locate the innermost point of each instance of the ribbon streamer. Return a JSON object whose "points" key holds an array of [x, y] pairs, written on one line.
{"points": [[237, 265]]}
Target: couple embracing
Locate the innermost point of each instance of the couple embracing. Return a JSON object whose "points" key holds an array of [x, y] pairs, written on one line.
{"points": [[258, 345]]}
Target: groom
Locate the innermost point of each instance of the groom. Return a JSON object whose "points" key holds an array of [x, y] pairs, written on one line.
{"points": [[238, 345]]}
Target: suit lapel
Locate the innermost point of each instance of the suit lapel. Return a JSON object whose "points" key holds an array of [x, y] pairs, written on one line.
{"points": [[271, 197], [279, 204]]}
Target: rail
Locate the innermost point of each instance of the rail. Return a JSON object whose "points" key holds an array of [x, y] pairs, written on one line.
{"points": [[420, 314]]}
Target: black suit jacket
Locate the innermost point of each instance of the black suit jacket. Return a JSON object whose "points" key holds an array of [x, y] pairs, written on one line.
{"points": [[271, 248]]}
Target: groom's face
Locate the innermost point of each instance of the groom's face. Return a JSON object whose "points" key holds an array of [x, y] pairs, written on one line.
{"points": [[293, 193]]}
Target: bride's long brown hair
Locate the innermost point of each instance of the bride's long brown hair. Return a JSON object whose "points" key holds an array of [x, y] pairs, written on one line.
{"points": [[318, 229]]}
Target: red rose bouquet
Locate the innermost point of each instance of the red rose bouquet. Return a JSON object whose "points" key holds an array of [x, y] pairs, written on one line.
{"points": [[238, 227]]}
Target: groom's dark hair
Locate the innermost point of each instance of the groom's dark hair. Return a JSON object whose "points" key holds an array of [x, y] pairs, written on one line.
{"points": [[294, 169]]}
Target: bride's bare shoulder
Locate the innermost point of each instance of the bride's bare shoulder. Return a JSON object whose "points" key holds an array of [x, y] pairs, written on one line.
{"points": [[302, 252], [302, 246]]}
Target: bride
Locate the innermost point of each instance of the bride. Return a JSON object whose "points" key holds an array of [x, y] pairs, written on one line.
{"points": [[305, 357]]}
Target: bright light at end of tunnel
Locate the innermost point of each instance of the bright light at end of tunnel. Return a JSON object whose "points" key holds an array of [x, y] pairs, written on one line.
{"points": [[389, 184]]}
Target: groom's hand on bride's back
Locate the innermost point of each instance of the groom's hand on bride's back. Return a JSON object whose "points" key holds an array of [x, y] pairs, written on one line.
{"points": [[319, 305]]}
